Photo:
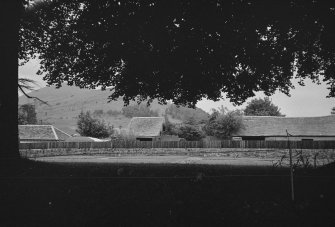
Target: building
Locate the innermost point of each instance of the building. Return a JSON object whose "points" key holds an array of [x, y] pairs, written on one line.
{"points": [[85, 139], [146, 128], [41, 133], [274, 128]]}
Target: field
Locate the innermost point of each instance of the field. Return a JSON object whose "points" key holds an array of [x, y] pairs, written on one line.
{"points": [[115, 194]]}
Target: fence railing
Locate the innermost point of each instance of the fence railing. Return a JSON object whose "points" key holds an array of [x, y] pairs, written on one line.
{"points": [[181, 144]]}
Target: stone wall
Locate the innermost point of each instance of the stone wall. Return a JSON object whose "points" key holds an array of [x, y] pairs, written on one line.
{"points": [[324, 155]]}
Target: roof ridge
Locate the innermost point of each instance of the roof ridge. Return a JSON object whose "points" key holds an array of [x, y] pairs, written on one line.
{"points": [[283, 117], [61, 131], [54, 131], [35, 125], [297, 126], [147, 117]]}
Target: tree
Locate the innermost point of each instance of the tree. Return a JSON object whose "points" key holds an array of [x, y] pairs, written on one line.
{"points": [[27, 114], [190, 132], [8, 93], [24, 85], [224, 124], [169, 128], [333, 111], [182, 50], [89, 126], [262, 107]]}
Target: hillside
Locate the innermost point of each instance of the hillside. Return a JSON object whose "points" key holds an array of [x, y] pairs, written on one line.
{"points": [[66, 103]]}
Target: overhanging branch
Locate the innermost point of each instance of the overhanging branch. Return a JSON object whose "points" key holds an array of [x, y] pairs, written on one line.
{"points": [[32, 97]]}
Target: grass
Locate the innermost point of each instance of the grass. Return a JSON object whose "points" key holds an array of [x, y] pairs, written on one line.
{"points": [[50, 194]]}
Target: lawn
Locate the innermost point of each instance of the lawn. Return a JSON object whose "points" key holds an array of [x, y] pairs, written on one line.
{"points": [[83, 194]]}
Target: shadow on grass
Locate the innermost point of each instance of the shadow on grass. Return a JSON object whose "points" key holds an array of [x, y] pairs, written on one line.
{"points": [[68, 194]]}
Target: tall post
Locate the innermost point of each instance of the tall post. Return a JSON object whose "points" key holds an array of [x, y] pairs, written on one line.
{"points": [[291, 165]]}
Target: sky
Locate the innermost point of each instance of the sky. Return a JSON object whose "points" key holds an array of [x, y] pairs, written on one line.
{"points": [[305, 101]]}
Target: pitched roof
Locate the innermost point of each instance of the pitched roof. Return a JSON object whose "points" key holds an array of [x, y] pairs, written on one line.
{"points": [[146, 126], [84, 139], [297, 126], [41, 132]]}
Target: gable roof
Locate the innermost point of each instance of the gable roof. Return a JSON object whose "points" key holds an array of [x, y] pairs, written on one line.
{"points": [[297, 126], [146, 126], [84, 139], [41, 132]]}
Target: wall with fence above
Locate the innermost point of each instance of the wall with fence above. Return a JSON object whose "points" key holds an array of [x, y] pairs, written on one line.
{"points": [[261, 144]]}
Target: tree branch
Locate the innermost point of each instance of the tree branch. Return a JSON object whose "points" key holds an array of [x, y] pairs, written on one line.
{"points": [[32, 97]]}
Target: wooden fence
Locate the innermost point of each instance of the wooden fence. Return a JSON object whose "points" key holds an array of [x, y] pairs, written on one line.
{"points": [[182, 144]]}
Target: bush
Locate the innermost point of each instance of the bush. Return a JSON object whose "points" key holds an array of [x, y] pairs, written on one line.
{"points": [[169, 128], [89, 126], [27, 114], [223, 124], [190, 132]]}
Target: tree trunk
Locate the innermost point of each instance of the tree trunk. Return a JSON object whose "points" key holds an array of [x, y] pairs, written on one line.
{"points": [[9, 15]]}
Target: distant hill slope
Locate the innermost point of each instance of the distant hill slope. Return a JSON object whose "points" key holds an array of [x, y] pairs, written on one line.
{"points": [[66, 103]]}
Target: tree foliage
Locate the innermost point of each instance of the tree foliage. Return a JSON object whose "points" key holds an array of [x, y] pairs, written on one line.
{"points": [[26, 85], [27, 114], [262, 107], [169, 128], [190, 132], [223, 124], [182, 50], [89, 126]]}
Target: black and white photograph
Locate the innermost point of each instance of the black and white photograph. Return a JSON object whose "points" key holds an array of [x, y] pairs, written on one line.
{"points": [[167, 113]]}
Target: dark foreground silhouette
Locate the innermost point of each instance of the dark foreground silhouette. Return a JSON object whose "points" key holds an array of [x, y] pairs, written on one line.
{"points": [[54, 194]]}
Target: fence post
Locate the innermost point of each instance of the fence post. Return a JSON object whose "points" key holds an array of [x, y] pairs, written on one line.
{"points": [[291, 167]]}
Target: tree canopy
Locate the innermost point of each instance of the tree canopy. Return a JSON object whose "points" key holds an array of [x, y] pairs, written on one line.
{"points": [[89, 126], [27, 114], [262, 107], [332, 112], [223, 123], [190, 132], [182, 50]]}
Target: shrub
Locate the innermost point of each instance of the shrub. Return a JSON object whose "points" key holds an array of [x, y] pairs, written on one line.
{"points": [[190, 132], [89, 126], [27, 114], [223, 124]]}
